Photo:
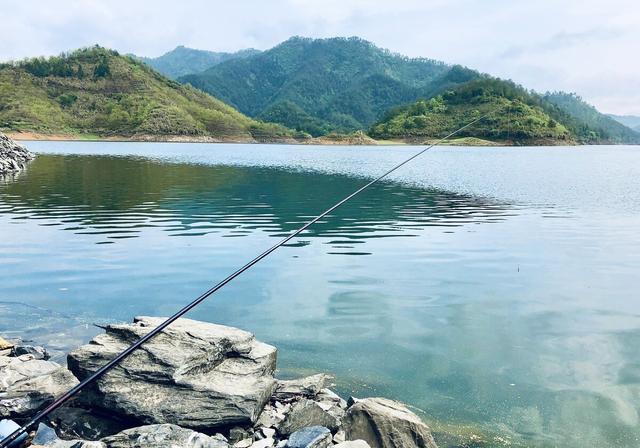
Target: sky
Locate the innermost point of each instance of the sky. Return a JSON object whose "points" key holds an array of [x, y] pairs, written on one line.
{"points": [[591, 47]]}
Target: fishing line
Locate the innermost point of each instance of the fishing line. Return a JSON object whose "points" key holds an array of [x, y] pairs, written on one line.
{"points": [[111, 364]]}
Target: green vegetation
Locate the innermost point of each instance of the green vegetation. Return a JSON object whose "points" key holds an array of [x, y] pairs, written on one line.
{"points": [[589, 125], [630, 121], [183, 61], [324, 85], [514, 117], [97, 91]]}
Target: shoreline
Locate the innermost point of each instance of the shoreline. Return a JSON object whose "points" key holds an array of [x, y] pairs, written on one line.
{"points": [[347, 140], [229, 398]]}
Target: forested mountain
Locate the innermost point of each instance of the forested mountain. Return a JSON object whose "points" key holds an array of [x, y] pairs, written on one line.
{"points": [[99, 92], [587, 123], [323, 85], [630, 121], [184, 61], [512, 115], [517, 116]]}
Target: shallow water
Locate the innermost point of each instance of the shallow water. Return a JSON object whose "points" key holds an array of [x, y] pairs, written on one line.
{"points": [[493, 288]]}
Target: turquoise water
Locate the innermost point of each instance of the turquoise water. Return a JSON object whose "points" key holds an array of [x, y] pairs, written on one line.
{"points": [[494, 289]]}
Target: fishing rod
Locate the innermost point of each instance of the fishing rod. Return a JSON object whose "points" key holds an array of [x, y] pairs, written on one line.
{"points": [[58, 402]]}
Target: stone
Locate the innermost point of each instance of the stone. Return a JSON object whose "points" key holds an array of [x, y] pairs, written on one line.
{"points": [[308, 387], [163, 436], [269, 433], [47, 437], [193, 374], [263, 443], [352, 444], [384, 423], [13, 157], [28, 384], [328, 396], [7, 427], [244, 443], [77, 423], [36, 351], [310, 437], [5, 345], [307, 413], [238, 433]]}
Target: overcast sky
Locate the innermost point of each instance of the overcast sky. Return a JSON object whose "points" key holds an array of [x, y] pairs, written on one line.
{"points": [[591, 47]]}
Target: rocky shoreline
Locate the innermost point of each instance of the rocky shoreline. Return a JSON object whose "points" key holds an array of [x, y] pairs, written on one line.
{"points": [[13, 157], [195, 385]]}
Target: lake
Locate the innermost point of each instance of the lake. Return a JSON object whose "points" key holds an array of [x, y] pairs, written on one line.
{"points": [[493, 289]]}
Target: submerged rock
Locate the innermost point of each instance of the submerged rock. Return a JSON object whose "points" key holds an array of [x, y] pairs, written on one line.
{"points": [[193, 374], [386, 423], [163, 436], [13, 157], [28, 384]]}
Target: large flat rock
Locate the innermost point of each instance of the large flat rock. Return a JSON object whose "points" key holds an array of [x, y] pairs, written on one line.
{"points": [[194, 374]]}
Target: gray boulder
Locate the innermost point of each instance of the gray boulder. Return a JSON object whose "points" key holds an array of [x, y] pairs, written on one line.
{"points": [[307, 413], [308, 387], [77, 423], [13, 157], [193, 374], [36, 351], [386, 423], [28, 384], [163, 436], [310, 437]]}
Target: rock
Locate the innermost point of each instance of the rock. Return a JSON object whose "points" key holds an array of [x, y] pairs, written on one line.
{"points": [[308, 387], [36, 351], [163, 436], [244, 443], [307, 413], [310, 437], [385, 423], [193, 374], [238, 433], [352, 444], [263, 443], [339, 436], [77, 423], [5, 345], [7, 427], [269, 433], [328, 396], [28, 384], [47, 437], [13, 157]]}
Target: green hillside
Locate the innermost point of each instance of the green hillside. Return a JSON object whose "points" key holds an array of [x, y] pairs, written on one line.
{"points": [[589, 125], [325, 85], [630, 121], [517, 116], [514, 117], [99, 92], [183, 61]]}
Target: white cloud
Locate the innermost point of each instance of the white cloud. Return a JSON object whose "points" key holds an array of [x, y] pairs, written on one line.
{"points": [[586, 46]]}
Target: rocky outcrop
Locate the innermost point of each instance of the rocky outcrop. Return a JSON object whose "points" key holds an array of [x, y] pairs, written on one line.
{"points": [[163, 436], [28, 384], [13, 157], [193, 374], [386, 423]]}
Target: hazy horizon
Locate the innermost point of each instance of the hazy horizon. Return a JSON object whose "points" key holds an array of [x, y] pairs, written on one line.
{"points": [[585, 47]]}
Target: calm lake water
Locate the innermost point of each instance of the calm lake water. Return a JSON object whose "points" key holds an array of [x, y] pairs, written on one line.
{"points": [[494, 289]]}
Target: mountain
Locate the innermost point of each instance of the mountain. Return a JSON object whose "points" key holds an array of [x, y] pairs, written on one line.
{"points": [[324, 85], [589, 125], [514, 115], [630, 121], [95, 91], [184, 61]]}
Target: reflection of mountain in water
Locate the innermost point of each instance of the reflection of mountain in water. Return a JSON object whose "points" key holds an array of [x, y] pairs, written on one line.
{"points": [[118, 196]]}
